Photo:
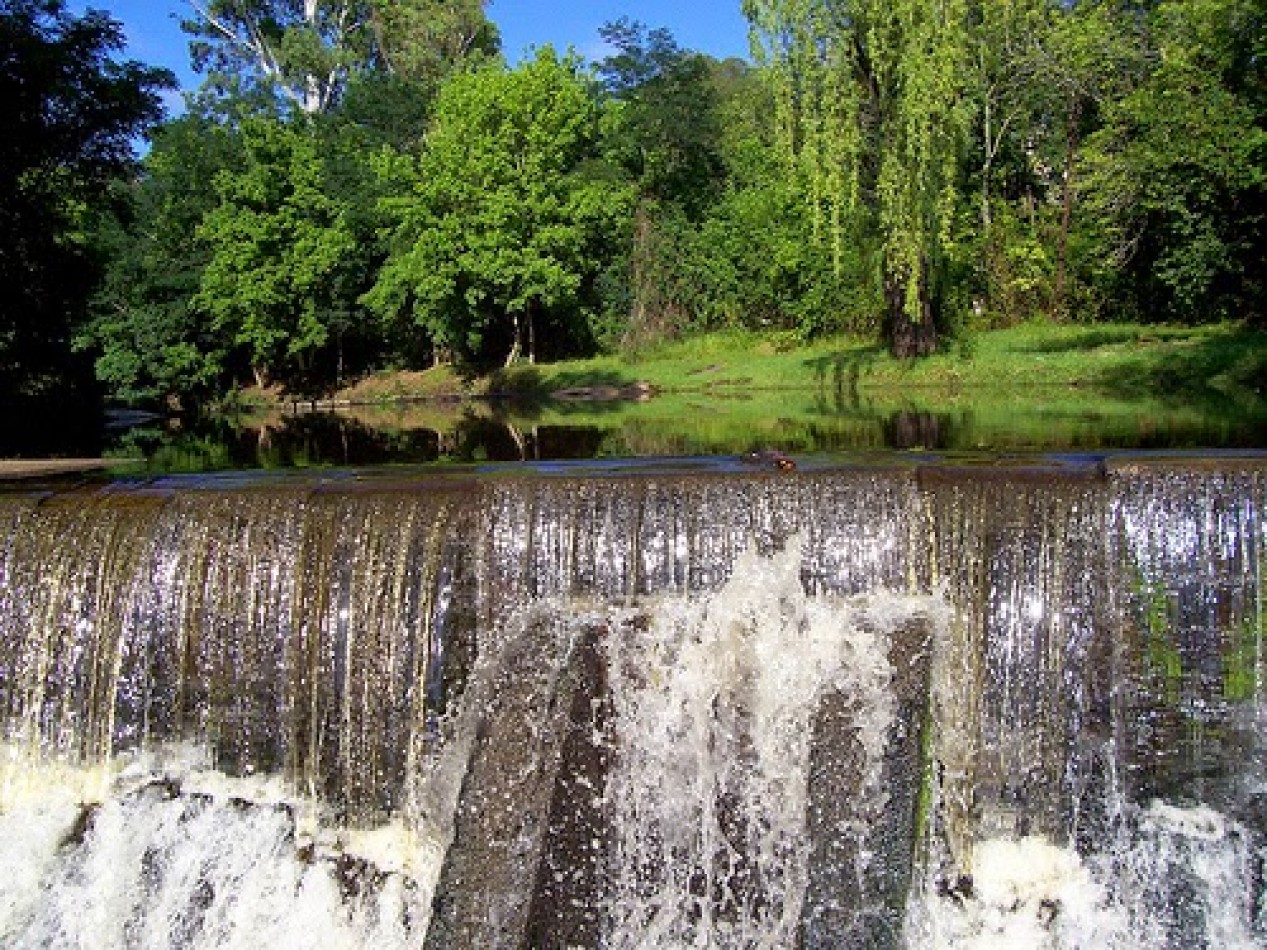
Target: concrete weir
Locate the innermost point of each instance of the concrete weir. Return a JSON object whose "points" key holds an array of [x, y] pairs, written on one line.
{"points": [[900, 702]]}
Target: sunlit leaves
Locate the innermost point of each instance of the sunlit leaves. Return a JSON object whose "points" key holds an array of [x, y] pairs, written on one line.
{"points": [[303, 50], [278, 241], [507, 211], [424, 40], [1176, 174]]}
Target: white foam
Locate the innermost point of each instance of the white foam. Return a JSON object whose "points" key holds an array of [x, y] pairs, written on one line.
{"points": [[714, 708], [1032, 893], [140, 869]]}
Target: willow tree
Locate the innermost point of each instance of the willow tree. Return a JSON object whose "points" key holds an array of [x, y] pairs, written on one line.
{"points": [[872, 116]]}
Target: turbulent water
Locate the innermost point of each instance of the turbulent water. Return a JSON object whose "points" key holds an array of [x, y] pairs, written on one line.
{"points": [[921, 707]]}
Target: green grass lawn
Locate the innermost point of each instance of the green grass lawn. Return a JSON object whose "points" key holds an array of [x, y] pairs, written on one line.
{"points": [[1118, 360]]}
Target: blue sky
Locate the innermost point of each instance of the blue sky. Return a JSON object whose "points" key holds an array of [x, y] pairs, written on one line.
{"points": [[715, 27]]}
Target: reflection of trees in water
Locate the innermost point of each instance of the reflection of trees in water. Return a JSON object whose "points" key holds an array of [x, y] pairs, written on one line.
{"points": [[43, 428], [478, 438], [330, 439], [570, 442], [501, 432], [909, 429], [318, 438]]}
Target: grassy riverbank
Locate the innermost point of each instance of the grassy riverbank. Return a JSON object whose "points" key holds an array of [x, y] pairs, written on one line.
{"points": [[1120, 361], [1029, 389]]}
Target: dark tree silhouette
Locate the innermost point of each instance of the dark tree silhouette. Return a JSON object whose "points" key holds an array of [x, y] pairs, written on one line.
{"points": [[70, 114]]}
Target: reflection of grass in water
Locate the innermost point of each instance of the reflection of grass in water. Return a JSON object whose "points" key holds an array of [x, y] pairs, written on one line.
{"points": [[1161, 654], [801, 422], [1242, 663]]}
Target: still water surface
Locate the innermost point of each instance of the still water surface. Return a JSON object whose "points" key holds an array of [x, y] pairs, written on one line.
{"points": [[792, 423]]}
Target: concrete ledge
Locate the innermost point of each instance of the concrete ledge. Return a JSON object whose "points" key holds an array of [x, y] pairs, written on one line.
{"points": [[43, 468]]}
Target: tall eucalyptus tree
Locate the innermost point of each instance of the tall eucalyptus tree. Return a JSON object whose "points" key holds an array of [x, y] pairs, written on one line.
{"points": [[872, 113], [307, 50], [302, 49]]}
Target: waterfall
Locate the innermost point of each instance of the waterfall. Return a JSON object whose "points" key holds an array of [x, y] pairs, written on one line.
{"points": [[893, 706]]}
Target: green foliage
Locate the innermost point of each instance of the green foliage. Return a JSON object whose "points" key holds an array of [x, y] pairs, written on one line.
{"points": [[384, 109], [306, 53], [758, 267], [663, 129], [1176, 173], [502, 233], [737, 251], [1013, 266], [661, 126], [69, 111], [888, 169], [279, 244], [873, 115], [151, 343], [423, 41], [303, 52]]}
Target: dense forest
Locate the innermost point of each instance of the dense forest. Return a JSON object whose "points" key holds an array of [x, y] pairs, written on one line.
{"points": [[364, 184]]}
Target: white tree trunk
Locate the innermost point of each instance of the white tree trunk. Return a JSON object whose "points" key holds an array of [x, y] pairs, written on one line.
{"points": [[313, 99]]}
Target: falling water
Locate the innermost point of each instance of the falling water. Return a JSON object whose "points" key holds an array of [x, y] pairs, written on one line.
{"points": [[841, 708]]}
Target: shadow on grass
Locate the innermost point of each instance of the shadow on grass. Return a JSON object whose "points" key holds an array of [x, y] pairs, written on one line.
{"points": [[840, 372], [527, 387], [1092, 338], [1232, 363]]}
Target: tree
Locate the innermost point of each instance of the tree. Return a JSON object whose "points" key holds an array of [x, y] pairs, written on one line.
{"points": [[308, 50], [152, 343], [302, 49], [70, 113], [425, 40], [1094, 55], [664, 126], [508, 214], [661, 127], [872, 112], [1176, 174], [1007, 43], [755, 259], [734, 249], [279, 245]]}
